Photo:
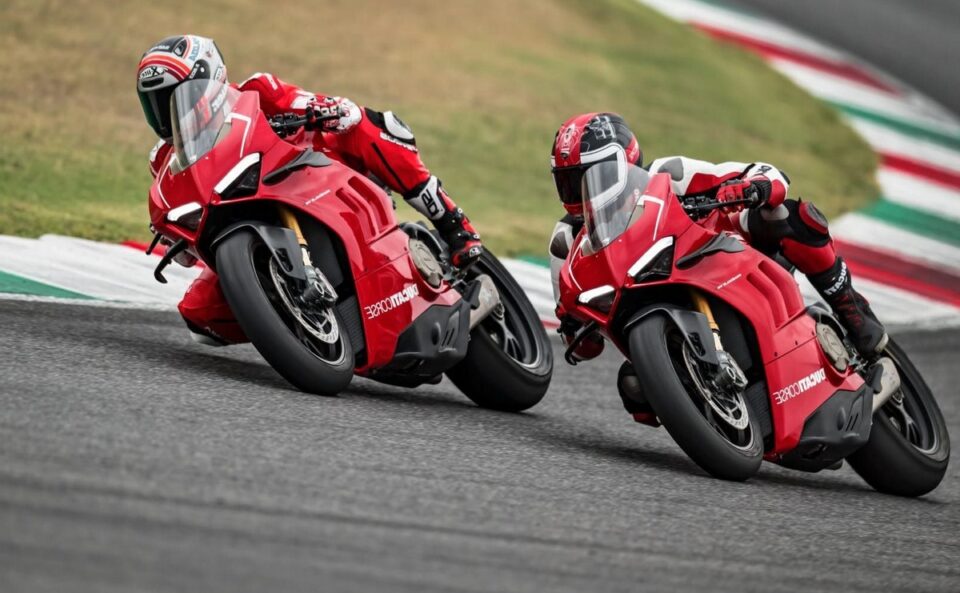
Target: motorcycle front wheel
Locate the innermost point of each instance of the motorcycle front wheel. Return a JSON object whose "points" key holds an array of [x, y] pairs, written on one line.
{"points": [[308, 346], [509, 362], [718, 431], [909, 447]]}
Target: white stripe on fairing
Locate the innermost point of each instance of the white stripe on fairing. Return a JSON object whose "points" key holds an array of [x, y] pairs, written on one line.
{"points": [[745, 24], [870, 232], [911, 108], [912, 191], [237, 170], [886, 139]]}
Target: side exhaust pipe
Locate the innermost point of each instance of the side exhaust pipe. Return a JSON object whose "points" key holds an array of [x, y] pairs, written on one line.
{"points": [[488, 300], [889, 382]]}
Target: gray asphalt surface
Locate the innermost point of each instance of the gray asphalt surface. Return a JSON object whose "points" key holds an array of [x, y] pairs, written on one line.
{"points": [[134, 460], [918, 41]]}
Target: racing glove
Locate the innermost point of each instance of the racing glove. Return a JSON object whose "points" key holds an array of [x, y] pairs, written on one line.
{"points": [[332, 114], [757, 189]]}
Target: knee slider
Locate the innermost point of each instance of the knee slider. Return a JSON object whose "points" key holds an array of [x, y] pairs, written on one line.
{"points": [[808, 224]]}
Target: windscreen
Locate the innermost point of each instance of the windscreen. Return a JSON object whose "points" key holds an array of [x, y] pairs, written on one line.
{"points": [[199, 110], [611, 190]]}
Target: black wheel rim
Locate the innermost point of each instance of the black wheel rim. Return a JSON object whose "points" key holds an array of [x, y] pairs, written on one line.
{"points": [[726, 413], [315, 328], [507, 326], [907, 413]]}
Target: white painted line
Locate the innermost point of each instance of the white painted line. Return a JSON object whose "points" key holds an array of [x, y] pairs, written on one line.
{"points": [[88, 303], [913, 191], [100, 270], [885, 139], [841, 90]]}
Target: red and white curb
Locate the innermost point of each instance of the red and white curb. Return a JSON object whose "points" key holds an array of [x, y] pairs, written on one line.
{"points": [[67, 269], [904, 250]]}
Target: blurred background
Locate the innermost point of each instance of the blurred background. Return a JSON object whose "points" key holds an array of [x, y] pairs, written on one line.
{"points": [[484, 85]]}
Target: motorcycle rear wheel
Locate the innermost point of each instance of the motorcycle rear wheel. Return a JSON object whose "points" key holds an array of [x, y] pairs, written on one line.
{"points": [[722, 437], [309, 348], [909, 447], [509, 362]]}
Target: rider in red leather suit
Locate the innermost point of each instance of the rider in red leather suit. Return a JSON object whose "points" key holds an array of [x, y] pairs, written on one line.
{"points": [[375, 143]]}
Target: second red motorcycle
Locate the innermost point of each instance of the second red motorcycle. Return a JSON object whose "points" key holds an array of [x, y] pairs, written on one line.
{"points": [[724, 350]]}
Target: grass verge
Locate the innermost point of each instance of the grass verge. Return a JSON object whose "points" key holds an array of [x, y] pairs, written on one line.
{"points": [[484, 86]]}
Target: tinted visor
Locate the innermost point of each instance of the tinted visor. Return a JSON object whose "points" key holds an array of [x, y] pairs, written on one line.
{"points": [[156, 108], [569, 180]]}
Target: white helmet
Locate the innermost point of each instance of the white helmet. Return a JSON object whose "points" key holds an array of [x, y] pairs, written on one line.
{"points": [[166, 65]]}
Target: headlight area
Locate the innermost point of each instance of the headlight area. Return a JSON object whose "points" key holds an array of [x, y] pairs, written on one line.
{"points": [[187, 216], [600, 298], [655, 264]]}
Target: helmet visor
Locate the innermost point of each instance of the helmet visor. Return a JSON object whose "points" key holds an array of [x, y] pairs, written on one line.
{"points": [[156, 108], [569, 180], [611, 194], [199, 111]]}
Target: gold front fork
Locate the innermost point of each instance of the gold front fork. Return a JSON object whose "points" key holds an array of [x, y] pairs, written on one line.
{"points": [[701, 304], [289, 220]]}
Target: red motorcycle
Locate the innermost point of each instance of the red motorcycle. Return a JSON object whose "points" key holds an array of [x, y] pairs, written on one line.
{"points": [[726, 354], [318, 273]]}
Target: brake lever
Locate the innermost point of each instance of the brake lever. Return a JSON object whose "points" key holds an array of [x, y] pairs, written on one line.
{"points": [[585, 331]]}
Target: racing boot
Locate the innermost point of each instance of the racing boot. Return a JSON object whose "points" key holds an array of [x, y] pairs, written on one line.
{"points": [[461, 237], [429, 199], [853, 310]]}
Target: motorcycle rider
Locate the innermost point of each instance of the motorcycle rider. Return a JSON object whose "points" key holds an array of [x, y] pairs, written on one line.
{"points": [[369, 141], [795, 228]]}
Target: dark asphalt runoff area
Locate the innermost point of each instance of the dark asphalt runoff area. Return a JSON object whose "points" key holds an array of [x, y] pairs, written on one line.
{"points": [[918, 41], [132, 459]]}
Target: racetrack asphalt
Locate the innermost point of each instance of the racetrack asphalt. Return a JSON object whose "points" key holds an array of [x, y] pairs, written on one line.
{"points": [[132, 459]]}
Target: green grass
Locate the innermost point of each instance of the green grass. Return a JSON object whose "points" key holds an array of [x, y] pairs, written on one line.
{"points": [[484, 86]]}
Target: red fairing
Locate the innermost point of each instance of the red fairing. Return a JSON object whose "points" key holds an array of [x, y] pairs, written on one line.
{"points": [[751, 283], [352, 207]]}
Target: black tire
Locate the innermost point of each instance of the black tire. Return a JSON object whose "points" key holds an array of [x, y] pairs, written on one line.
{"points": [[656, 351], [272, 328], [514, 377], [899, 458]]}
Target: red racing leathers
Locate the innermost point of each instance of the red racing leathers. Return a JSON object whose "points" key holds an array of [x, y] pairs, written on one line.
{"points": [[374, 143]]}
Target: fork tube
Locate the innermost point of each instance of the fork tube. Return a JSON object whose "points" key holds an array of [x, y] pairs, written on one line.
{"points": [[289, 220], [701, 304]]}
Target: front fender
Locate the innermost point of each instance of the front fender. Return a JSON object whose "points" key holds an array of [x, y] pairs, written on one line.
{"points": [[281, 241], [692, 324]]}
